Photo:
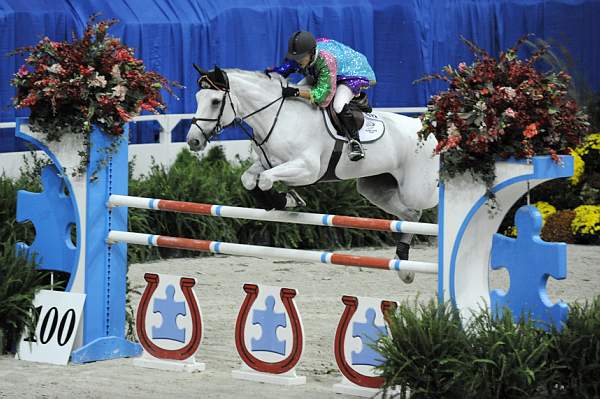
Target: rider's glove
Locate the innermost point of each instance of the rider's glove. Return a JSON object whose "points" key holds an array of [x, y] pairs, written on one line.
{"points": [[268, 71], [289, 92]]}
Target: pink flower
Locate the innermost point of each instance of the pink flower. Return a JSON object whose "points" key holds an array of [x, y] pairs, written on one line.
{"points": [[453, 141], [86, 70], [23, 71], [530, 131], [123, 55], [510, 113], [462, 67], [29, 101]]}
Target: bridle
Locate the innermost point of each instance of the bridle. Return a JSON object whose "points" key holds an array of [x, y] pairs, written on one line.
{"points": [[207, 83]]}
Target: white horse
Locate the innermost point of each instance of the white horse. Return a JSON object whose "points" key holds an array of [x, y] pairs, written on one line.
{"points": [[399, 174]]}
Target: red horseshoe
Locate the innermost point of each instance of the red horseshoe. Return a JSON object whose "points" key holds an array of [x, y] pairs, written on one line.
{"points": [[340, 355], [287, 294], [186, 285]]}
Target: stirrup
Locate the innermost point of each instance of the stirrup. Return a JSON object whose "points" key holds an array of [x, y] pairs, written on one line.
{"points": [[355, 154]]}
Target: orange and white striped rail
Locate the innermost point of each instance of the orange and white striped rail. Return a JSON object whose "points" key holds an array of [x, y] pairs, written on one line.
{"points": [[300, 255], [316, 219]]}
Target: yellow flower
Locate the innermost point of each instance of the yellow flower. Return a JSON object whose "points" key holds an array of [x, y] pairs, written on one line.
{"points": [[545, 209], [511, 231], [587, 220], [578, 168], [593, 141]]}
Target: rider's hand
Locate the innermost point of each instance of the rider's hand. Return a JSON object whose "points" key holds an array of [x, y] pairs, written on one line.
{"points": [[289, 92], [268, 71]]}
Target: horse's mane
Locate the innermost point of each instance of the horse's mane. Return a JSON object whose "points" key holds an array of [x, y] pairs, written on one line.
{"points": [[256, 75]]}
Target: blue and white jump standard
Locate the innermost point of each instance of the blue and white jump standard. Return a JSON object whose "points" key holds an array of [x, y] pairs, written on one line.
{"points": [[97, 262]]}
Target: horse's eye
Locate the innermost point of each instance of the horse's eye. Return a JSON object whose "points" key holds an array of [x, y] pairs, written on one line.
{"points": [[216, 102]]}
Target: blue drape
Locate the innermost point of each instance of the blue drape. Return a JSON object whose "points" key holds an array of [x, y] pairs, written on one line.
{"points": [[403, 40]]}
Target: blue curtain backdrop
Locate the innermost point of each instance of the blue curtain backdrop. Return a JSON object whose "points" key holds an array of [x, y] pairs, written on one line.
{"points": [[403, 39]]}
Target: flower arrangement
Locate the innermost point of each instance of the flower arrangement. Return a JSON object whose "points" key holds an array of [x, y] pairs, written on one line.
{"points": [[500, 108], [95, 80]]}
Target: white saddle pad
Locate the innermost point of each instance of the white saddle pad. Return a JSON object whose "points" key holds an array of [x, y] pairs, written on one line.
{"points": [[372, 129]]}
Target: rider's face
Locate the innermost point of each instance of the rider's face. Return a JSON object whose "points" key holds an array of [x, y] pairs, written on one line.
{"points": [[304, 61]]}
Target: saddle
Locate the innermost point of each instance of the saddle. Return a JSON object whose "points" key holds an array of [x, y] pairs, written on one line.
{"points": [[370, 127], [359, 105]]}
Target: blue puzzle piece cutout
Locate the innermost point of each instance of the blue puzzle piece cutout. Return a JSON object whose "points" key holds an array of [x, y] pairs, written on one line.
{"points": [[529, 261], [268, 321], [169, 309], [368, 333], [52, 214]]}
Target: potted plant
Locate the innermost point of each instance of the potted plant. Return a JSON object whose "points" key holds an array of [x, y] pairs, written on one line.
{"points": [[92, 82], [496, 109]]}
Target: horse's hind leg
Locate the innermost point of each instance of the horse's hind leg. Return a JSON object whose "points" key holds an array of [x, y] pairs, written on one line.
{"points": [[383, 192]]}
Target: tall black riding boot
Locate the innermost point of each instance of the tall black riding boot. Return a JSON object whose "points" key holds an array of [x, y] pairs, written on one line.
{"points": [[351, 128]]}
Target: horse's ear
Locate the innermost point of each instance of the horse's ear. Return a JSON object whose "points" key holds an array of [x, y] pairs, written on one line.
{"points": [[201, 71]]}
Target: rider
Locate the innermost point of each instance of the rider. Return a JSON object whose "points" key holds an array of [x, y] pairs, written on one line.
{"points": [[336, 73]]}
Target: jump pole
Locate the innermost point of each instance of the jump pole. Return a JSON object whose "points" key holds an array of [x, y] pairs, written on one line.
{"points": [[315, 219], [226, 248]]}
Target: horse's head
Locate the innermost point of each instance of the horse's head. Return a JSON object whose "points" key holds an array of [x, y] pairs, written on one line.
{"points": [[217, 104], [215, 108]]}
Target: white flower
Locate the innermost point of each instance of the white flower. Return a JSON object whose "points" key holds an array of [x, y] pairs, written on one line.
{"points": [[453, 130], [119, 91], [481, 105], [56, 68], [98, 81], [510, 92], [115, 72]]}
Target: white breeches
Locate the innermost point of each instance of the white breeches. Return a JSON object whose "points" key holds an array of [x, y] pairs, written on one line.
{"points": [[343, 95]]}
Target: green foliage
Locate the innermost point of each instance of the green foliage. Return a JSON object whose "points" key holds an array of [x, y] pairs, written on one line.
{"points": [[19, 282], [429, 354], [576, 351], [511, 358]]}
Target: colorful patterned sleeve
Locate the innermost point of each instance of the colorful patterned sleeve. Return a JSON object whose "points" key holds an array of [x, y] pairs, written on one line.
{"points": [[324, 89], [287, 68]]}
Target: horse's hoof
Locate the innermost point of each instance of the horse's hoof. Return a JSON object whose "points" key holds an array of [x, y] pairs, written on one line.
{"points": [[406, 276], [402, 254], [294, 200]]}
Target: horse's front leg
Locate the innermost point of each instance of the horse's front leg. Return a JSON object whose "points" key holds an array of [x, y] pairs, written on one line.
{"points": [[297, 172], [250, 176]]}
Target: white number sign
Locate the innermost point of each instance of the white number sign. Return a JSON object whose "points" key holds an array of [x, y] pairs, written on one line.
{"points": [[59, 314]]}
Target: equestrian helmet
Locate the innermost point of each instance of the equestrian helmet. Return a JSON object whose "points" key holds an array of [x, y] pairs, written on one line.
{"points": [[300, 44]]}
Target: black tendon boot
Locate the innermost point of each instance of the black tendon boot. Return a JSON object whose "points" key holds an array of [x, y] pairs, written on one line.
{"points": [[351, 128], [402, 249]]}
